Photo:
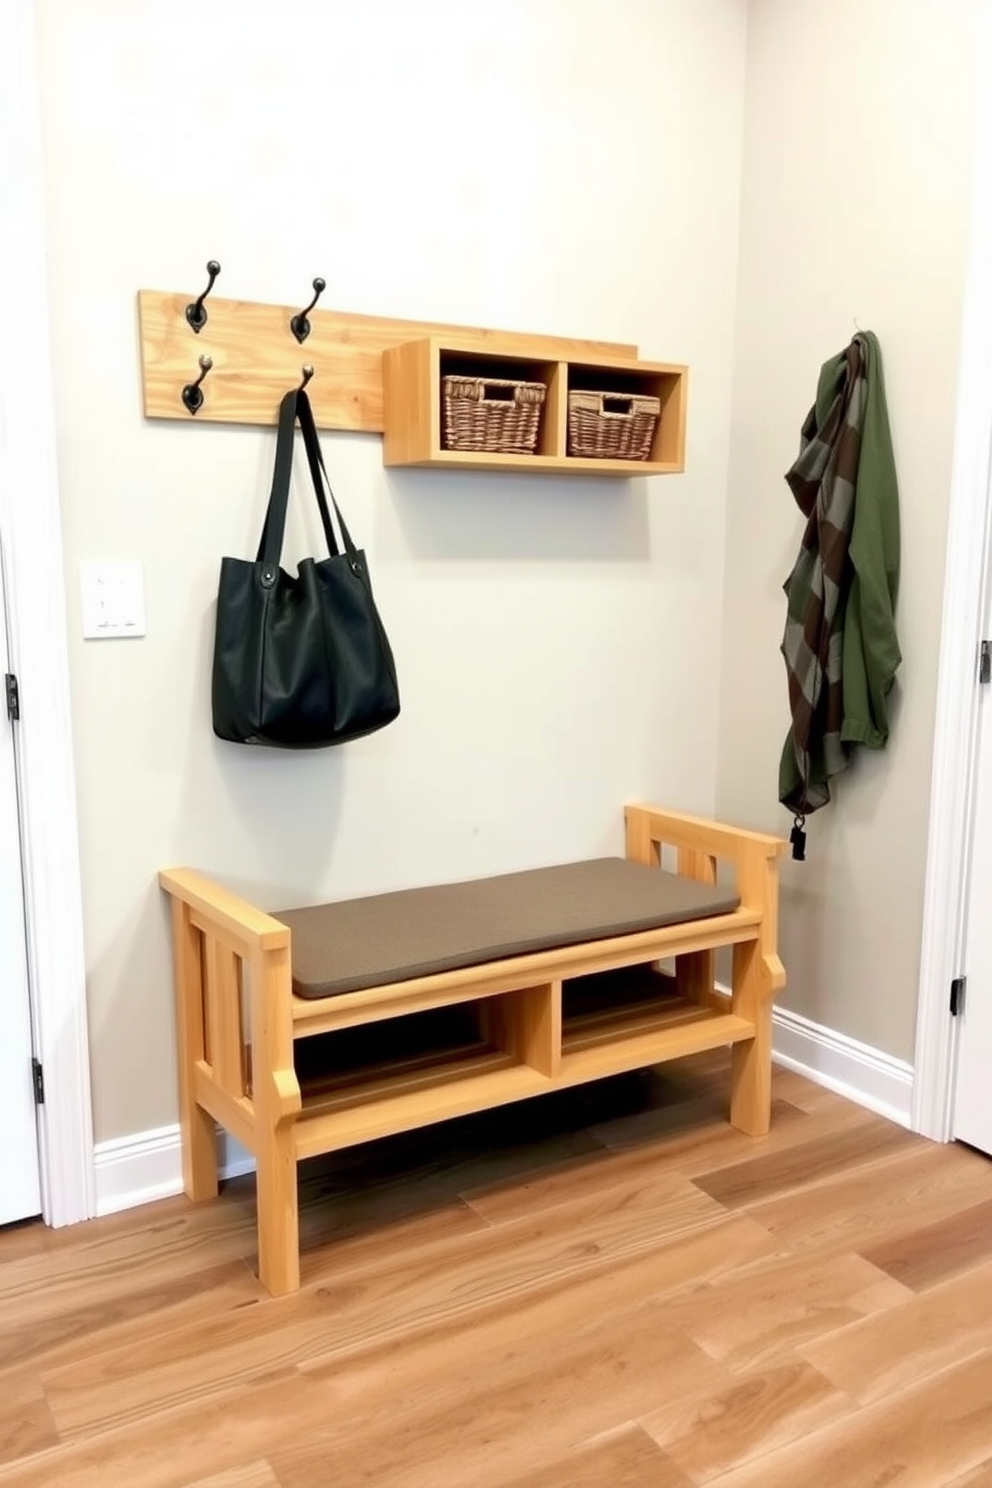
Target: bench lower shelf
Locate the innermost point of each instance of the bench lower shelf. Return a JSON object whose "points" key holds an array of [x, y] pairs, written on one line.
{"points": [[401, 1095]]}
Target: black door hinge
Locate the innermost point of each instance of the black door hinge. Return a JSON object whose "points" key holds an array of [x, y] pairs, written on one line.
{"points": [[13, 696], [38, 1075], [985, 662], [957, 994]]}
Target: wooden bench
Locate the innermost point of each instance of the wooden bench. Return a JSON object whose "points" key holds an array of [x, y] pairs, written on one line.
{"points": [[499, 1029]]}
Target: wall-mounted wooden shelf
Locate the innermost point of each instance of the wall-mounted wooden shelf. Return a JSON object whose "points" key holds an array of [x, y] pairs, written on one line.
{"points": [[412, 375], [375, 375]]}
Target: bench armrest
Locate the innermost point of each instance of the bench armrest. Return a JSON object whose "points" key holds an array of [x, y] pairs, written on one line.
{"points": [[700, 843], [648, 827], [251, 928]]}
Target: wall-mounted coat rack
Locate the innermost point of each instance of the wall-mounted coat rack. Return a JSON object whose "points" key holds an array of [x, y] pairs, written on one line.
{"points": [[231, 362], [241, 356]]}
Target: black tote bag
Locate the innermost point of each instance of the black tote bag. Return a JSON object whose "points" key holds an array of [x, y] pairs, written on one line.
{"points": [[300, 662]]}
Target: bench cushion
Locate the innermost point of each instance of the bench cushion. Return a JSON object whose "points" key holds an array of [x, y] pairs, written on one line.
{"points": [[411, 933]]}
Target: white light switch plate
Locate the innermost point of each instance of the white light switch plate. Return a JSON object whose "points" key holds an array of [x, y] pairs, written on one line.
{"points": [[113, 596]]}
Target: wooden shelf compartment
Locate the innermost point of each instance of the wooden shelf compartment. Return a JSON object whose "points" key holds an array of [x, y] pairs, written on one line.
{"points": [[397, 1073], [453, 363], [623, 377], [471, 1087], [621, 1020], [412, 394]]}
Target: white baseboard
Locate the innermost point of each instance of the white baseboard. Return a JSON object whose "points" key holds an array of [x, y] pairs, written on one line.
{"points": [[149, 1166], [142, 1168], [855, 1070]]}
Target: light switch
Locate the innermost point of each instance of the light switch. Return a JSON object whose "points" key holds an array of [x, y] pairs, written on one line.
{"points": [[113, 596]]}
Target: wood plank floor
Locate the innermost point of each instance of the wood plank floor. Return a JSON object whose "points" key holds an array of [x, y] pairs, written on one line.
{"points": [[606, 1287]]}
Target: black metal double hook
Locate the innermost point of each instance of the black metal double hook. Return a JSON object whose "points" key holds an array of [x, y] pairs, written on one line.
{"points": [[196, 316], [196, 313], [192, 392], [299, 324]]}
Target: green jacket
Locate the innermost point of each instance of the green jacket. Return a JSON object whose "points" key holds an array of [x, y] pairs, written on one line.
{"points": [[871, 654], [840, 644]]}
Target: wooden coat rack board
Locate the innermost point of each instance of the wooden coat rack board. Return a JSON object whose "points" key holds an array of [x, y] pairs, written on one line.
{"points": [[245, 357]]}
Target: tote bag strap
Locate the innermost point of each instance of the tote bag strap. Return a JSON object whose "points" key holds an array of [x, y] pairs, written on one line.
{"points": [[318, 474], [274, 527]]}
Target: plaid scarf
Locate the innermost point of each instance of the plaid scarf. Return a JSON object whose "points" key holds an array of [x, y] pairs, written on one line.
{"points": [[823, 481]]}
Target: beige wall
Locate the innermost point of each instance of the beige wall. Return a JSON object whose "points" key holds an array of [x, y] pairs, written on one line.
{"points": [[858, 136], [557, 642]]}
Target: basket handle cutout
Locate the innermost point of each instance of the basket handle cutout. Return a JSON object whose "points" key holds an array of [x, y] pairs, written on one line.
{"points": [[617, 405], [493, 393]]}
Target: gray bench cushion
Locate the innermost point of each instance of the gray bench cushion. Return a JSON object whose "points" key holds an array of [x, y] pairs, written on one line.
{"points": [[414, 932]]}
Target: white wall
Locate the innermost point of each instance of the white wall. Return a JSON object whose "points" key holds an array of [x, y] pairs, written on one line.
{"points": [[858, 147], [568, 170]]}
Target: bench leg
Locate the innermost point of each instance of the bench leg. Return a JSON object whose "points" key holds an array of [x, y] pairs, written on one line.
{"points": [[277, 1103], [751, 1081], [201, 1176], [278, 1216], [751, 1060], [199, 1131]]}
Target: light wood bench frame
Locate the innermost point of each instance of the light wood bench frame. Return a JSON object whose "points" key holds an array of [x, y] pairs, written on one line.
{"points": [[237, 1019]]}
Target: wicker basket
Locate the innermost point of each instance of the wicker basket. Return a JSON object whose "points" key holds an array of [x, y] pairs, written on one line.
{"points": [[491, 413], [611, 426]]}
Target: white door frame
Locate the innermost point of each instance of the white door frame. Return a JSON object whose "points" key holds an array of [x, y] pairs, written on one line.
{"points": [[20, 1191], [952, 796], [30, 519]]}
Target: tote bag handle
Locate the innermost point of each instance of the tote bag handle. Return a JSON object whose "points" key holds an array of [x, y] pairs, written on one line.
{"points": [[296, 405], [315, 459]]}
